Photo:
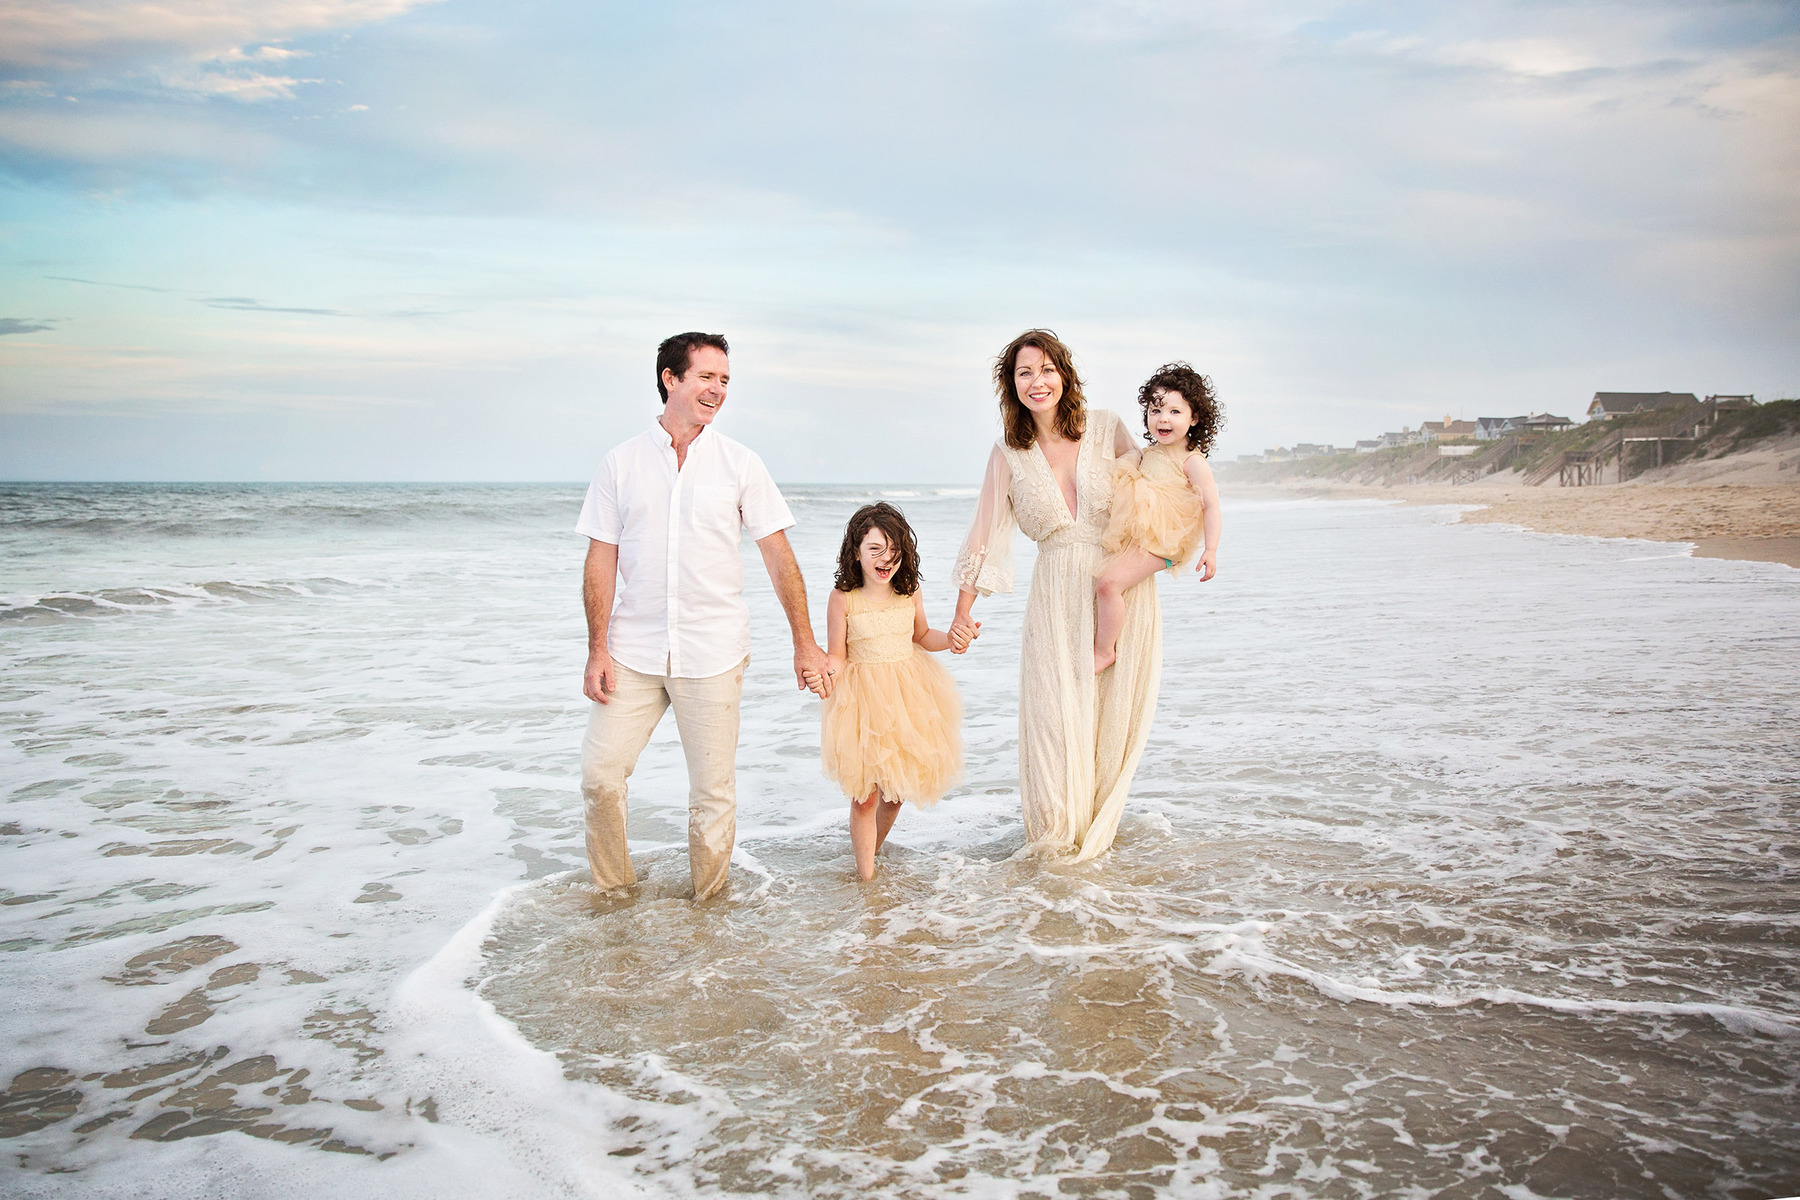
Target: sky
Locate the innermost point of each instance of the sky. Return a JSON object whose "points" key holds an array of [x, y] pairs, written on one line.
{"points": [[406, 240]]}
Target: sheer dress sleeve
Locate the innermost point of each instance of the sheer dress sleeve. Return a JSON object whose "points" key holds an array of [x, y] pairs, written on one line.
{"points": [[985, 564], [1123, 441]]}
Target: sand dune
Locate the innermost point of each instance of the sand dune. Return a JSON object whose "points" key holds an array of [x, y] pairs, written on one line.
{"points": [[1724, 520]]}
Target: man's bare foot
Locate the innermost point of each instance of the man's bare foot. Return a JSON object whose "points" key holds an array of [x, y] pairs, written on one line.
{"points": [[1103, 660]]}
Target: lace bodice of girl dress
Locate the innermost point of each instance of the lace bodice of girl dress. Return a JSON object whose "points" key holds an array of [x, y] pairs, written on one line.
{"points": [[878, 632]]}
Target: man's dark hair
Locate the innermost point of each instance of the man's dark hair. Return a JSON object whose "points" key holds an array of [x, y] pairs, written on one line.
{"points": [[676, 355]]}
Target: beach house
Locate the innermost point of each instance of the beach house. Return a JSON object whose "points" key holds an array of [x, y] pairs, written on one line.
{"points": [[1489, 428], [1432, 431], [1607, 405]]}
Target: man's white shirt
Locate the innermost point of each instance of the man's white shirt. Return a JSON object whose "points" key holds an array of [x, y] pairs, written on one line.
{"points": [[678, 606]]}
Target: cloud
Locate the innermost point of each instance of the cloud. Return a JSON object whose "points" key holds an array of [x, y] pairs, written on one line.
{"points": [[218, 48], [12, 325], [80, 35], [247, 304], [135, 287]]}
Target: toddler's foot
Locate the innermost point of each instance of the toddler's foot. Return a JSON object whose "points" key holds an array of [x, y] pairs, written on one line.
{"points": [[1104, 659]]}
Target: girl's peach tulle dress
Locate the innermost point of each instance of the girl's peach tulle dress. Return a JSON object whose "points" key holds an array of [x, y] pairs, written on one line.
{"points": [[1154, 507], [894, 720]]}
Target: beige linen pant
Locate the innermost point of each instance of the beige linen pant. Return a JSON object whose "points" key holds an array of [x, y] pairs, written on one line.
{"points": [[706, 717]]}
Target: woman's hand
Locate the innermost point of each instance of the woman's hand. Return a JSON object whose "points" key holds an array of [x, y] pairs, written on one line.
{"points": [[1208, 565], [963, 631]]}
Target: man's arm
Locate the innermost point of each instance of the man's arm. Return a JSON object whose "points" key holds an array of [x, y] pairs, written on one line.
{"points": [[599, 577], [790, 589]]}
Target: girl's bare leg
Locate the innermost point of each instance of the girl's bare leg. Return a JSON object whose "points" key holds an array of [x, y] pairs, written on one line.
{"points": [[863, 841], [1126, 570], [884, 821]]}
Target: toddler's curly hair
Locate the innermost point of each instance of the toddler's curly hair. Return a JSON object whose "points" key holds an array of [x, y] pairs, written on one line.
{"points": [[1197, 390]]}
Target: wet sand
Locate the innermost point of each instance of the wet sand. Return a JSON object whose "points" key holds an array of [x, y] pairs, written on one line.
{"points": [[1758, 524]]}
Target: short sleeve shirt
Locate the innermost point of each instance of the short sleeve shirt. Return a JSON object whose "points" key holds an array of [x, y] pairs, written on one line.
{"points": [[678, 608]]}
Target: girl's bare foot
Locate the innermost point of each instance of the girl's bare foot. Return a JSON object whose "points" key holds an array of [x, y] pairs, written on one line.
{"points": [[1104, 659]]}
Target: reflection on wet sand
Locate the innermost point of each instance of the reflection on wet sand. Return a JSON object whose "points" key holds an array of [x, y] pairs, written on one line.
{"points": [[980, 1016]]}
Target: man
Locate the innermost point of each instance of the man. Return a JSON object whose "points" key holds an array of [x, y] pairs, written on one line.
{"points": [[667, 625]]}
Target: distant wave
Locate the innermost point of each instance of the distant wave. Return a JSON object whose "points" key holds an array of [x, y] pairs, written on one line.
{"points": [[242, 510], [116, 602]]}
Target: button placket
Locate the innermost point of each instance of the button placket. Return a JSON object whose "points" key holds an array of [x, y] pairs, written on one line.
{"points": [[672, 568]]}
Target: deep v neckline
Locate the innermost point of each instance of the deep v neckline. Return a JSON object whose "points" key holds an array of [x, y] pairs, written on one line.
{"points": [[1074, 510]]}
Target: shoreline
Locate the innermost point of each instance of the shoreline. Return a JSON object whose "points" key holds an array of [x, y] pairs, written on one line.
{"points": [[1745, 523]]}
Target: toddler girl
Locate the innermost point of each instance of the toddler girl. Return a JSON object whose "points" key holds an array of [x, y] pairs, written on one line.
{"points": [[891, 728], [1164, 498]]}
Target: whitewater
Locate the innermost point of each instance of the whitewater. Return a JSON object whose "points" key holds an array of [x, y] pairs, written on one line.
{"points": [[1461, 862]]}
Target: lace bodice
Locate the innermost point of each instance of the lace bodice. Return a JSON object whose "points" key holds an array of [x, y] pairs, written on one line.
{"points": [[1162, 465], [878, 631], [1021, 489]]}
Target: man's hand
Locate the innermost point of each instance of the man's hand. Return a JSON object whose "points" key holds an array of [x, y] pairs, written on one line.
{"points": [[598, 679], [811, 670], [963, 631]]}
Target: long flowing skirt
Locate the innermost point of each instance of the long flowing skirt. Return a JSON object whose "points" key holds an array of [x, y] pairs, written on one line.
{"points": [[1080, 736]]}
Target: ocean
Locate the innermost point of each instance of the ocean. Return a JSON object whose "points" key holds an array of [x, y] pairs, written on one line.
{"points": [[1461, 863]]}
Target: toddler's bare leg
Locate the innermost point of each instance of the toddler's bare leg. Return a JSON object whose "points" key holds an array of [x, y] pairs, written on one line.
{"points": [[884, 820], [1127, 569], [863, 841]]}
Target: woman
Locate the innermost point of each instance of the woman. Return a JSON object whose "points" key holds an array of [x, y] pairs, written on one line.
{"points": [[1080, 735]]}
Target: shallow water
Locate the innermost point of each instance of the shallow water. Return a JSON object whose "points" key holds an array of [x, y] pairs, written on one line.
{"points": [[1461, 863]]}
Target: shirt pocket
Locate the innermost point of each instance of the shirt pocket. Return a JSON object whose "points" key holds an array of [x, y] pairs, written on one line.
{"points": [[715, 509]]}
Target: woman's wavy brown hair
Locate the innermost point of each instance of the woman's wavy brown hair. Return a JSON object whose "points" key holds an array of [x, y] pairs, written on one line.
{"points": [[892, 523], [1071, 411], [1197, 390]]}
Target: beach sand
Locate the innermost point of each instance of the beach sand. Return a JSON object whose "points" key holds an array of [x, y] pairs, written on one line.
{"points": [[1760, 524]]}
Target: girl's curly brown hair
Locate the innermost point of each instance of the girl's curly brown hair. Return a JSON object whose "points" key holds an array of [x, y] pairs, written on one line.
{"points": [[892, 523], [1015, 418], [1197, 390]]}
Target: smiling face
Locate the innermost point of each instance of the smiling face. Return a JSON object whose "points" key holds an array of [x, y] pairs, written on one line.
{"points": [[878, 557], [1037, 382], [1169, 417], [696, 397]]}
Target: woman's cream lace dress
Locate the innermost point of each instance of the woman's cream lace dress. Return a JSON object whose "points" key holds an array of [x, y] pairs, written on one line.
{"points": [[1080, 736]]}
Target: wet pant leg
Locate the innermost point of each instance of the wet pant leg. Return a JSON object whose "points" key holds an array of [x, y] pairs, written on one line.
{"points": [[706, 714], [616, 734]]}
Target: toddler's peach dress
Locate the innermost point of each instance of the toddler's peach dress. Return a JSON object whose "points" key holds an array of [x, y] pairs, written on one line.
{"points": [[1154, 507]]}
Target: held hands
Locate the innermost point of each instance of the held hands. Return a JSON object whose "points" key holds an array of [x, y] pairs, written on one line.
{"points": [[599, 678], [1208, 565], [813, 670], [963, 631]]}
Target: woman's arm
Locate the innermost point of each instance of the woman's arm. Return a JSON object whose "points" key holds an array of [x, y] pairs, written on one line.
{"points": [[985, 563], [1200, 478], [923, 634]]}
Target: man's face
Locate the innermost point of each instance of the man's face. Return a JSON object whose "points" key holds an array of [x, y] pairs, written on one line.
{"points": [[695, 399]]}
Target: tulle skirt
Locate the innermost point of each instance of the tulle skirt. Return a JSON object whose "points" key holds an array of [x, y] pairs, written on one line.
{"points": [[1162, 518], [896, 726]]}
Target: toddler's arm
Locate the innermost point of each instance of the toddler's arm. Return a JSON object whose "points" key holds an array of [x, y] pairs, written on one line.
{"points": [[1200, 478], [923, 634]]}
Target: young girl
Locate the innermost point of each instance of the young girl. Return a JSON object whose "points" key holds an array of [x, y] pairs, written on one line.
{"points": [[891, 729], [1164, 498]]}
